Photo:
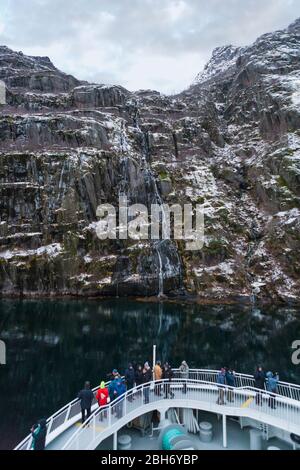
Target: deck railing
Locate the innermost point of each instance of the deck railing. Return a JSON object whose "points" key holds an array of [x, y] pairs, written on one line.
{"points": [[244, 401]]}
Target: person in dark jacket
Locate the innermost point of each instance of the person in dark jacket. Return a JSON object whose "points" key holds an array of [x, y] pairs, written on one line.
{"points": [[39, 433], [130, 379], [86, 397], [168, 375], [230, 381], [139, 375], [259, 383], [221, 381], [147, 378]]}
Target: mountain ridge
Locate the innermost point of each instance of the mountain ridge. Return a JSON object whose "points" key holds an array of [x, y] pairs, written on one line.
{"points": [[231, 142]]}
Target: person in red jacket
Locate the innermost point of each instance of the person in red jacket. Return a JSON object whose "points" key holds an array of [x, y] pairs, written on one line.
{"points": [[102, 397]]}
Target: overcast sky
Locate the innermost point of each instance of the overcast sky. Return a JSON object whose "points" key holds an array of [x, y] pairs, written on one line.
{"points": [[159, 44]]}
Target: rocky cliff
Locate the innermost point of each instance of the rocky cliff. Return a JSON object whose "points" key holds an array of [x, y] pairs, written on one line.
{"points": [[231, 143]]}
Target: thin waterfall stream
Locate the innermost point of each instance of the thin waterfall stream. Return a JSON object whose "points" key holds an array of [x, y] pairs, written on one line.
{"points": [[162, 247]]}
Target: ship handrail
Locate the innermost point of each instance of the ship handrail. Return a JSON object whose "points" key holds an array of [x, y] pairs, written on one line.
{"points": [[237, 374], [66, 407], [289, 403], [287, 388]]}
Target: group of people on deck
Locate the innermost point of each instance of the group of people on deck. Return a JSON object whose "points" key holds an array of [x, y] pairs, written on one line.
{"points": [[268, 381], [133, 377], [139, 375], [262, 381]]}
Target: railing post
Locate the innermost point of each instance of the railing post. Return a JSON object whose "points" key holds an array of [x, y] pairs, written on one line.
{"points": [[68, 413], [94, 426], [109, 416], [49, 426], [224, 431], [115, 441]]}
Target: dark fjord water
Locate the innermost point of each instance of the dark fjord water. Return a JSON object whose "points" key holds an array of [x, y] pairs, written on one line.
{"points": [[53, 346]]}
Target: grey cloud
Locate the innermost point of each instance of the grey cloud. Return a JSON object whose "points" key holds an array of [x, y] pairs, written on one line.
{"points": [[118, 39]]}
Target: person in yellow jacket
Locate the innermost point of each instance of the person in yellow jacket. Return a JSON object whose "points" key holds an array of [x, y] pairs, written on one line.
{"points": [[157, 376]]}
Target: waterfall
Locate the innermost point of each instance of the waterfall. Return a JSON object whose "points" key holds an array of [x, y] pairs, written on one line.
{"points": [[161, 274], [156, 197]]}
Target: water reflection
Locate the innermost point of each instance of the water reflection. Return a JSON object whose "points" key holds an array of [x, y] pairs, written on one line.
{"points": [[54, 346]]}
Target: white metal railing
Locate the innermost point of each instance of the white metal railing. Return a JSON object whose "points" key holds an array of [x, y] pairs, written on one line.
{"points": [[70, 413], [59, 419], [272, 409], [241, 380]]}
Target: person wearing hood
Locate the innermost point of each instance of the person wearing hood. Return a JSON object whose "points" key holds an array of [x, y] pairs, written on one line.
{"points": [[39, 433], [272, 383], [117, 389], [102, 397], [86, 397], [130, 379], [259, 383], [184, 374]]}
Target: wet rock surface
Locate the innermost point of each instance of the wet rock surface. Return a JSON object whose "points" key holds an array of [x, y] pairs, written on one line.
{"points": [[230, 143]]}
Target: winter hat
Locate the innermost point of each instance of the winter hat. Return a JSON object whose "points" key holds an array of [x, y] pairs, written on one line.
{"points": [[102, 385]]}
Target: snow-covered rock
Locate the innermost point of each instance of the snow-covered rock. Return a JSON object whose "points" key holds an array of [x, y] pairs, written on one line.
{"points": [[229, 143]]}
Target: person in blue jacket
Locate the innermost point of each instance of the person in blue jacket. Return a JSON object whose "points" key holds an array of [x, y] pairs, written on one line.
{"points": [[272, 384], [111, 387], [116, 389]]}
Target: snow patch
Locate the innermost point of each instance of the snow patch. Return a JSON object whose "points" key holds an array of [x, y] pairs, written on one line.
{"points": [[51, 251]]}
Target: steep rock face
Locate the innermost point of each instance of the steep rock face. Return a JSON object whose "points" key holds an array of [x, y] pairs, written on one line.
{"points": [[33, 73], [230, 143], [221, 65], [98, 96]]}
